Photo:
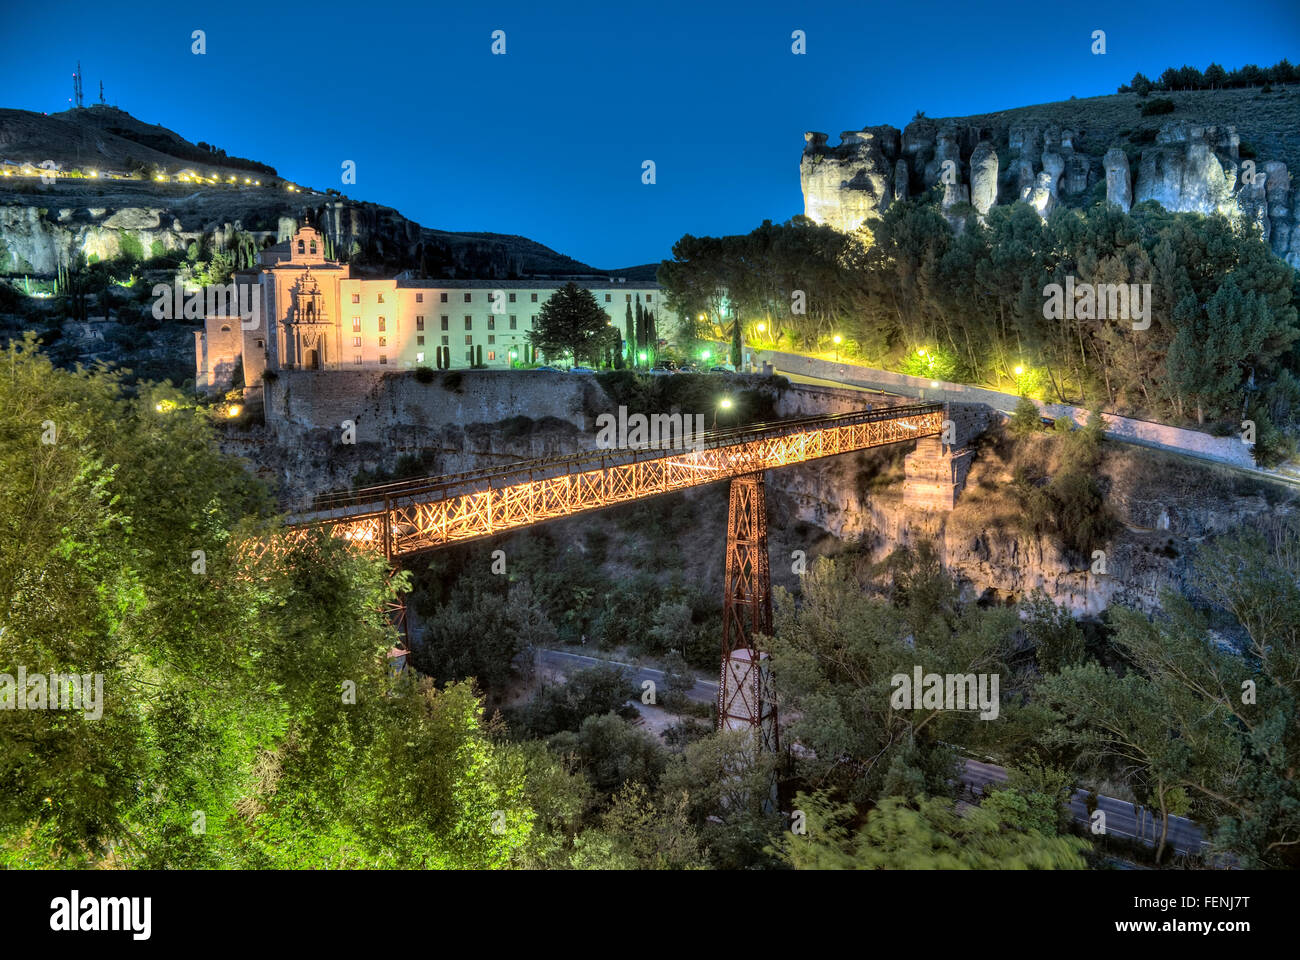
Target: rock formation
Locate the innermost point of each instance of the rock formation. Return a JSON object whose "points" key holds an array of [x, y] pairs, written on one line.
{"points": [[1188, 168], [984, 177], [1119, 186]]}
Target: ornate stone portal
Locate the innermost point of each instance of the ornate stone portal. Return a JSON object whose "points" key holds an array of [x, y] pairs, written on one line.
{"points": [[307, 326]]}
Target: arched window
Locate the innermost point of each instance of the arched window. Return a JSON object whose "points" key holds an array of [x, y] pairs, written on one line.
{"points": [[300, 246], [225, 328], [313, 246]]}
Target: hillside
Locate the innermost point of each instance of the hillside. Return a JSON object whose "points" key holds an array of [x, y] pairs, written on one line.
{"points": [[109, 163]]}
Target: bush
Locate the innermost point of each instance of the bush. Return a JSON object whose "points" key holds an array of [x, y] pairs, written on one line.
{"points": [[452, 381], [424, 374], [1158, 106], [1026, 418]]}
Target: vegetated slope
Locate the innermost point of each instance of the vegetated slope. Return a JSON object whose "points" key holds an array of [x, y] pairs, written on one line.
{"points": [[1270, 122]]}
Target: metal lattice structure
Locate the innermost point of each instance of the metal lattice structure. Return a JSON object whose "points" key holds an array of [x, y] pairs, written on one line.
{"points": [[404, 519], [744, 700]]}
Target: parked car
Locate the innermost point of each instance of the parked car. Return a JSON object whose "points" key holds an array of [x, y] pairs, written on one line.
{"points": [[549, 368], [720, 369], [665, 365], [581, 370], [688, 366]]}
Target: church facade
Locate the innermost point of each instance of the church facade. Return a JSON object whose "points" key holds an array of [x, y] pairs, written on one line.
{"points": [[315, 314]]}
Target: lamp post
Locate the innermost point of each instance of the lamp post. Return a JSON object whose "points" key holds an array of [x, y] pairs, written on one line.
{"points": [[723, 404], [837, 340]]}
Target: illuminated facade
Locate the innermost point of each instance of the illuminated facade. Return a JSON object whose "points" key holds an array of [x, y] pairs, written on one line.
{"points": [[316, 315]]}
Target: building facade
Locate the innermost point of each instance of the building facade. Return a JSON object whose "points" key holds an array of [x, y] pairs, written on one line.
{"points": [[314, 314]]}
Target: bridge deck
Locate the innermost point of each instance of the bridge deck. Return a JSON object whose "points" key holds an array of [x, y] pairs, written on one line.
{"points": [[414, 516]]}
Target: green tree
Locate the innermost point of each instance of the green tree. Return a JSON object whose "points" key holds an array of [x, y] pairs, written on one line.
{"points": [[570, 321], [928, 834]]}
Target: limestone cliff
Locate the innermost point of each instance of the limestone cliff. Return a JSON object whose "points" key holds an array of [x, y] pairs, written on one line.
{"points": [[1184, 166]]}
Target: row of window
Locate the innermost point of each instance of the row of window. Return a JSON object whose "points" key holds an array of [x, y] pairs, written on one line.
{"points": [[419, 357], [419, 323], [419, 341], [419, 297]]}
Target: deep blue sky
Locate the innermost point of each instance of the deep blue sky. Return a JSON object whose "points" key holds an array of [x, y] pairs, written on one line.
{"points": [[548, 140]]}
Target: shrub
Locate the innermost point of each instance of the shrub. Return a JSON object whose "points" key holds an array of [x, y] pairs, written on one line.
{"points": [[1158, 106], [424, 374], [453, 381]]}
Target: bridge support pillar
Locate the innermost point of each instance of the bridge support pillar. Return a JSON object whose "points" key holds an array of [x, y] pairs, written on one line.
{"points": [[744, 694], [934, 474]]}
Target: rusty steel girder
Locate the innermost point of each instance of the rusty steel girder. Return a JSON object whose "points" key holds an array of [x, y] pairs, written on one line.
{"points": [[744, 693]]}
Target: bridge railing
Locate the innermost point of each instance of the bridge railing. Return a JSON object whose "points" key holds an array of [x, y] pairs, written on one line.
{"points": [[382, 497]]}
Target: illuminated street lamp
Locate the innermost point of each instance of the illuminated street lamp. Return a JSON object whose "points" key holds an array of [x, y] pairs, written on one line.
{"points": [[705, 355], [1020, 370], [837, 340], [723, 404]]}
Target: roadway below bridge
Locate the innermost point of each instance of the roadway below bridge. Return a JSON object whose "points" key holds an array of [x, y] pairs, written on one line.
{"points": [[1123, 819]]}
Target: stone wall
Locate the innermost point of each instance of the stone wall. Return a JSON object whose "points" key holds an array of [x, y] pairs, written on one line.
{"points": [[397, 408]]}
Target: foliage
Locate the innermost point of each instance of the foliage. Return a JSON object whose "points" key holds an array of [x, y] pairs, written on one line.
{"points": [[928, 834], [570, 322]]}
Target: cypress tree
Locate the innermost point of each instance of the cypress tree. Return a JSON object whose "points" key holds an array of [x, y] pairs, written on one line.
{"points": [[735, 342], [630, 343], [640, 331]]}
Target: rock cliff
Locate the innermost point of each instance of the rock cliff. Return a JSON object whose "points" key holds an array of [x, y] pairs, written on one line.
{"points": [[1183, 166]]}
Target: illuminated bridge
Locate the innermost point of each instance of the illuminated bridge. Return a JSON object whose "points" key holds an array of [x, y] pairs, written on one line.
{"points": [[411, 517]]}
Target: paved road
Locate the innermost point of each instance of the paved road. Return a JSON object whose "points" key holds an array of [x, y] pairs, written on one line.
{"points": [[1123, 819], [704, 691]]}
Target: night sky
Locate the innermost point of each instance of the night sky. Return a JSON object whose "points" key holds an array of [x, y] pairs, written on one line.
{"points": [[548, 140]]}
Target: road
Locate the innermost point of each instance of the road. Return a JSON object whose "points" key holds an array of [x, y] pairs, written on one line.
{"points": [[1122, 817]]}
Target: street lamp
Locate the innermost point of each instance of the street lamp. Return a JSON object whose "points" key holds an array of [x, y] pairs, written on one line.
{"points": [[837, 340], [513, 354], [1020, 370], [723, 404]]}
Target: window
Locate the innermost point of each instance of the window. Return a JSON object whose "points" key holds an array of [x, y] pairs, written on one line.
{"points": [[356, 341], [225, 328], [469, 340], [513, 324], [492, 323], [469, 323], [379, 298], [419, 323], [301, 248], [533, 319], [419, 298], [313, 247], [445, 341], [356, 298], [609, 297], [261, 344], [357, 359], [444, 323], [469, 355], [419, 341], [647, 298], [467, 297], [382, 358], [534, 298], [442, 298], [492, 354], [419, 358], [492, 338], [512, 298], [382, 324], [356, 324], [383, 341]]}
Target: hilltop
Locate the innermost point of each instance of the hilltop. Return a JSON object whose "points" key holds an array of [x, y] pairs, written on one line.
{"points": [[122, 180]]}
